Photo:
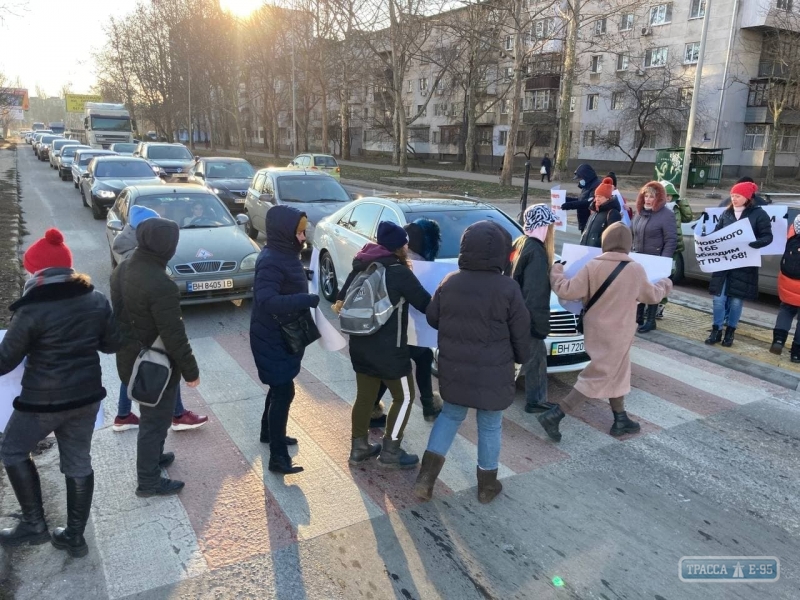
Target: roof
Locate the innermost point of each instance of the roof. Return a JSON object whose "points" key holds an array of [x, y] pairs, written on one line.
{"points": [[421, 204], [117, 158], [316, 154], [160, 190], [225, 158], [162, 144], [287, 171], [97, 151]]}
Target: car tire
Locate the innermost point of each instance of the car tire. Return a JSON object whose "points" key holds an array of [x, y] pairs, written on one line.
{"points": [[327, 277], [677, 268], [97, 212], [250, 230]]}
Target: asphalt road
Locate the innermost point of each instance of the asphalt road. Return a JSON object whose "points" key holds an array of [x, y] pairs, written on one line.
{"points": [[715, 472]]}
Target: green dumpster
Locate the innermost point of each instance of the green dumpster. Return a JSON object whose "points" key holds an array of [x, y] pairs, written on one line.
{"points": [[705, 167]]}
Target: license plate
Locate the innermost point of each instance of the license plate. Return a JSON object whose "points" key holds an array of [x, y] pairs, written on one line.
{"points": [[207, 286], [239, 200], [561, 348]]}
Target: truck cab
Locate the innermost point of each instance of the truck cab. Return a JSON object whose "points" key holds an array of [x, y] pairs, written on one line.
{"points": [[106, 124]]}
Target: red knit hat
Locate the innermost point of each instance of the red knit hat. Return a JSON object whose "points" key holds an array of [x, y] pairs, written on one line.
{"points": [[605, 189], [50, 251], [747, 189]]}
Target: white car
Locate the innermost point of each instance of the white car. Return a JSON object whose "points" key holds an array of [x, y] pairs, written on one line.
{"points": [[341, 235]]}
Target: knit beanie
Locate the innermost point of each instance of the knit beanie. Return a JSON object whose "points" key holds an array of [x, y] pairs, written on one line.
{"points": [[537, 217], [391, 236], [50, 251], [141, 213], [302, 224], [605, 189], [746, 189]]}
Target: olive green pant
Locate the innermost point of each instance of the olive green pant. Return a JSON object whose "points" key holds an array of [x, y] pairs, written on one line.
{"points": [[574, 398], [402, 391]]}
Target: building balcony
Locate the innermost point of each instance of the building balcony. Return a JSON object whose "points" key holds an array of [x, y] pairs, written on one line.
{"points": [[771, 14], [543, 82], [489, 118]]}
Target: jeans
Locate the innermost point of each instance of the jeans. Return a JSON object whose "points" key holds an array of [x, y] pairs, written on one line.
{"points": [[402, 391], [124, 407], [535, 372], [490, 432], [725, 305], [423, 363], [73, 429], [276, 416], [154, 422], [786, 315]]}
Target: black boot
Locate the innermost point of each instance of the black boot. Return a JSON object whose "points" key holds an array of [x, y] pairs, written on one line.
{"points": [[778, 341], [795, 352], [488, 486], [32, 528], [283, 464], [394, 457], [432, 464], [640, 314], [164, 487], [728, 339], [715, 337], [649, 319], [549, 420], [79, 504], [623, 424], [264, 438], [431, 407], [361, 450], [166, 459], [538, 407]]}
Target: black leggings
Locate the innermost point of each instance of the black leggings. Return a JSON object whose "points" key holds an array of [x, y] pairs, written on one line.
{"points": [[276, 416]]}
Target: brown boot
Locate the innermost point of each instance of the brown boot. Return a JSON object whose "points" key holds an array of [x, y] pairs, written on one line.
{"points": [[432, 464], [488, 486]]}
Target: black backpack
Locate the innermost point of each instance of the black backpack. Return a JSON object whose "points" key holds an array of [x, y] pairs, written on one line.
{"points": [[790, 263]]}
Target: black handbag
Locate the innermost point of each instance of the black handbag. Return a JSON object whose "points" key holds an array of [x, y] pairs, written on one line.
{"points": [[298, 330], [596, 296]]}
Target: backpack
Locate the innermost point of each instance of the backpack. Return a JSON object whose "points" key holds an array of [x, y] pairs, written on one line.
{"points": [[367, 306], [790, 262]]}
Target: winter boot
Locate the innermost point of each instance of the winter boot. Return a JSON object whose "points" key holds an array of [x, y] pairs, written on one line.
{"points": [[549, 420], [432, 464], [649, 319], [488, 486], [715, 337], [640, 314], [264, 437], [79, 505], [795, 352], [394, 457], [778, 341], [728, 339], [32, 528], [361, 450], [431, 407], [660, 311], [283, 465], [538, 407], [623, 424]]}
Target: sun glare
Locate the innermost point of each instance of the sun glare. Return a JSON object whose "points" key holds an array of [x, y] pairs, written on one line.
{"points": [[241, 8]]}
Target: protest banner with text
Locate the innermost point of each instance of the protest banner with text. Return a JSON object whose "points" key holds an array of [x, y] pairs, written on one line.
{"points": [[728, 248]]}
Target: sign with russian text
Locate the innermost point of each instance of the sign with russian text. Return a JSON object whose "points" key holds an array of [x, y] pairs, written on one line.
{"points": [[77, 102], [728, 248], [557, 199]]}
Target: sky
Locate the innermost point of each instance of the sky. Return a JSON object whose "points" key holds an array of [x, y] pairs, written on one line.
{"points": [[40, 58]]}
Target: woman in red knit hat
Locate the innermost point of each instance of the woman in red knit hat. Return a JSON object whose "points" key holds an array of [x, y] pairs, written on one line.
{"points": [[732, 287], [604, 213], [59, 325]]}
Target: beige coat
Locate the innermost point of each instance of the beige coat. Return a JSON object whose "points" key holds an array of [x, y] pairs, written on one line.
{"points": [[609, 326]]}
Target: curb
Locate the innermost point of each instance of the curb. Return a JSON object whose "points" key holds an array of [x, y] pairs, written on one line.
{"points": [[753, 368]]}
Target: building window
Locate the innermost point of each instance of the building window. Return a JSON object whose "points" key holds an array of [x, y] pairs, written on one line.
{"points": [[698, 9], [596, 64], [626, 24], [617, 100], [407, 108], [541, 138], [521, 139], [504, 107], [541, 99], [655, 57], [508, 73], [691, 53], [755, 137], [422, 110], [787, 139], [435, 136], [509, 45], [600, 26], [622, 62], [678, 138], [649, 139], [485, 135], [592, 101], [502, 138], [612, 137], [588, 137], [409, 86], [661, 14], [785, 5], [758, 94], [572, 104], [423, 84], [440, 87], [543, 28], [685, 97]]}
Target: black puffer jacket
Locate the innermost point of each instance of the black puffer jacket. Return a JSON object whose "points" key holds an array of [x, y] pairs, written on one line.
{"points": [[60, 327], [603, 216], [583, 201], [378, 355], [531, 271], [147, 303], [484, 326], [742, 282]]}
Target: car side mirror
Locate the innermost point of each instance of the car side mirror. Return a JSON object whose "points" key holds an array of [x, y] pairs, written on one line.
{"points": [[353, 196], [199, 175], [86, 175], [115, 225], [197, 157], [242, 219], [266, 197]]}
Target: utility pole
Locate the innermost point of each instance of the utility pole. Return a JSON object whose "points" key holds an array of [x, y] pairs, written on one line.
{"points": [[698, 74], [294, 93], [191, 133]]}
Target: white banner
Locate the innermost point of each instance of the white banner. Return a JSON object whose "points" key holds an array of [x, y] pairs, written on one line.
{"points": [[777, 216], [430, 275], [557, 198], [727, 248], [331, 339]]}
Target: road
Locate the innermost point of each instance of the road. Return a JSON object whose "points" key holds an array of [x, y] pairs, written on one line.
{"points": [[714, 472]]}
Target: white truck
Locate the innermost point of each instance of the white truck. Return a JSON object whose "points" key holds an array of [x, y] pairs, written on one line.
{"points": [[105, 124]]}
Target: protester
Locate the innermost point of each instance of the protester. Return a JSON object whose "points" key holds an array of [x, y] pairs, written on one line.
{"points": [[757, 199], [546, 168], [147, 306], [587, 182], [654, 233], [59, 325], [683, 214], [280, 292], [124, 244], [608, 339], [604, 213], [424, 239], [384, 356], [789, 294], [624, 210], [533, 255], [732, 287], [484, 328]]}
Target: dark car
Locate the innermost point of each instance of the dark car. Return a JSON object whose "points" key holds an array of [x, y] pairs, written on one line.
{"points": [[171, 161], [42, 149], [64, 163], [107, 176], [228, 178]]}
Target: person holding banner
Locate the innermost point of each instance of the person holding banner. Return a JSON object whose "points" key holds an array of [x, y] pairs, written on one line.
{"points": [[757, 199], [60, 324], [587, 182], [604, 213], [789, 294], [732, 287]]}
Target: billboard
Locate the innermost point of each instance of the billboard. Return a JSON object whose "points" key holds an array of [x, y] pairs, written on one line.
{"points": [[14, 97], [77, 102]]}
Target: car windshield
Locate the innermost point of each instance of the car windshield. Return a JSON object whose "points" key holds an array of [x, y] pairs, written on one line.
{"points": [[111, 123], [124, 147], [168, 153], [453, 223], [325, 161], [189, 211], [229, 170], [69, 151], [123, 168], [311, 189], [86, 158], [46, 139], [57, 144]]}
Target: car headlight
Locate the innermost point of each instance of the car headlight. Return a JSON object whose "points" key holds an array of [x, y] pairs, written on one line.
{"points": [[169, 271], [106, 194], [216, 190], [249, 262]]}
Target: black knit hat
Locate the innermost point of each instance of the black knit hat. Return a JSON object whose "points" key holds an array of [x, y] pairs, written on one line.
{"points": [[391, 236]]}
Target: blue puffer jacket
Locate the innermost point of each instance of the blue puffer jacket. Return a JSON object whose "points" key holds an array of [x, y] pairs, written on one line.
{"points": [[280, 288]]}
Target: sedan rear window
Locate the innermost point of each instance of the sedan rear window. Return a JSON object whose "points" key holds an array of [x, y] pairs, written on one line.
{"points": [[311, 189], [325, 161], [120, 168], [453, 223], [169, 153]]}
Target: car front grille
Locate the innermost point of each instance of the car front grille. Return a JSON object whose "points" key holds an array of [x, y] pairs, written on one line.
{"points": [[241, 194], [567, 359], [563, 323], [206, 266]]}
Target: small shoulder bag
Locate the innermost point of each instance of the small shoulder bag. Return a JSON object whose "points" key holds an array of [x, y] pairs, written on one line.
{"points": [[600, 291]]}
